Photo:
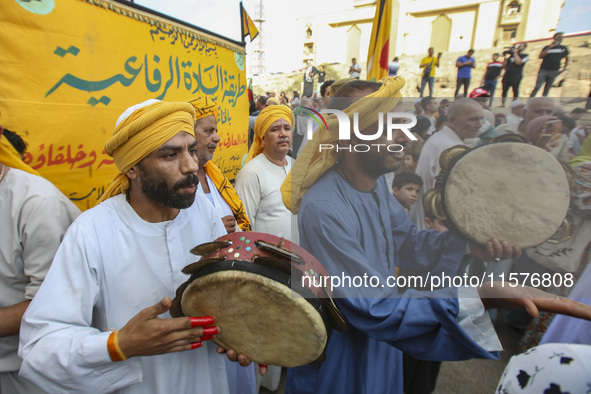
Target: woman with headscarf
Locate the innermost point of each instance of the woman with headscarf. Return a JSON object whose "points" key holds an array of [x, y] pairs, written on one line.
{"points": [[548, 132]]}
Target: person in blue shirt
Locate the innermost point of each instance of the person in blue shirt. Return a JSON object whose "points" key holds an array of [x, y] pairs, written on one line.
{"points": [[350, 221], [465, 64], [393, 67]]}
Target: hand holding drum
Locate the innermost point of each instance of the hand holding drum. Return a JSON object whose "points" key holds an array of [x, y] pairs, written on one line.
{"points": [[251, 283]]}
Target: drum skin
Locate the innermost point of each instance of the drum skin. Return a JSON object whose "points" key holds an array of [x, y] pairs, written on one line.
{"points": [[258, 317], [252, 285], [509, 191]]}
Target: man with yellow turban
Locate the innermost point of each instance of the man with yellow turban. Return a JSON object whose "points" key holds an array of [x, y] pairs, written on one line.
{"points": [[267, 164], [216, 187], [350, 222], [102, 315]]}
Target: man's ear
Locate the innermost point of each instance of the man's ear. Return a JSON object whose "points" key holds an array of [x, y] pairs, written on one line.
{"points": [[133, 172], [395, 191]]}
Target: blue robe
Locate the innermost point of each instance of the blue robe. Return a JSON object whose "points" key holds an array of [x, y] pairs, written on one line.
{"points": [[357, 233]]}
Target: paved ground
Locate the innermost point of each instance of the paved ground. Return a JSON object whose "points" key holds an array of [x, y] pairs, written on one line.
{"points": [[474, 376], [478, 376]]}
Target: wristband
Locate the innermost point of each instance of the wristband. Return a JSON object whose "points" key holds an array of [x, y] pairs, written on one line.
{"points": [[115, 351]]}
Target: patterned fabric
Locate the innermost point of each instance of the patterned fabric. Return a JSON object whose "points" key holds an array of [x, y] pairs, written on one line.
{"points": [[553, 368], [581, 191], [229, 194], [204, 106]]}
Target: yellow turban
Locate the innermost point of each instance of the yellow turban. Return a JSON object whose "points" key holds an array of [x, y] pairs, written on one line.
{"points": [[273, 101], [312, 162], [266, 118], [11, 158], [141, 133], [205, 106]]}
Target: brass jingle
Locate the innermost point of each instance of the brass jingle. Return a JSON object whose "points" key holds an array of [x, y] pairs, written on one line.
{"points": [[194, 267], [437, 207], [432, 204], [510, 137], [571, 175], [564, 232], [209, 247], [450, 155], [427, 199]]}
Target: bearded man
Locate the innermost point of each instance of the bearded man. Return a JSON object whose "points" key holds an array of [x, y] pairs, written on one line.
{"points": [[117, 268]]}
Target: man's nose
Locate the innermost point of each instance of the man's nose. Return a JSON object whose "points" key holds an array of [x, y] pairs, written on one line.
{"points": [[189, 164]]}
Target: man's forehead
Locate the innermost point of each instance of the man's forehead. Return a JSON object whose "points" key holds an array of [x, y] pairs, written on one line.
{"points": [[180, 138], [207, 121], [473, 110], [279, 122]]}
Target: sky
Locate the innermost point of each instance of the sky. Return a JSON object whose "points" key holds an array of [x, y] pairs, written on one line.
{"points": [[223, 17], [575, 16]]}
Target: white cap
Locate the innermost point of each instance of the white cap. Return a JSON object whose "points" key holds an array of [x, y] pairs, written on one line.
{"points": [[516, 103], [131, 110]]}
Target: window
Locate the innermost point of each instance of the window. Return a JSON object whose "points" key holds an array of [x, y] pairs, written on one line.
{"points": [[513, 8]]}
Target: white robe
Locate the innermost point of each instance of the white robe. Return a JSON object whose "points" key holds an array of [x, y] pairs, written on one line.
{"points": [[428, 168], [110, 266], [216, 199], [258, 184]]}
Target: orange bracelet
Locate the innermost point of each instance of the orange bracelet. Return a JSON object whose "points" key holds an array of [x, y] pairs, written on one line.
{"points": [[115, 351]]}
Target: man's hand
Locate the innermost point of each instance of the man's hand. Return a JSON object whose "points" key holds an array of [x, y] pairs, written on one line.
{"points": [[241, 359], [230, 223], [146, 334], [494, 295], [494, 250], [553, 142]]}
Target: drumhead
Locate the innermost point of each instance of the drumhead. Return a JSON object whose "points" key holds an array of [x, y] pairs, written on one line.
{"points": [[258, 317], [509, 191]]}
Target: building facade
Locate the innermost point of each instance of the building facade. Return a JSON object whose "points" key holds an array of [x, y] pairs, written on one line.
{"points": [[448, 26]]}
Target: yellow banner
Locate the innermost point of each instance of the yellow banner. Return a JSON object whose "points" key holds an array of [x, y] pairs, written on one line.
{"points": [[69, 68]]}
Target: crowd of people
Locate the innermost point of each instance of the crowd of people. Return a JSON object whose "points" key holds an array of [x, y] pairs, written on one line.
{"points": [[87, 295]]}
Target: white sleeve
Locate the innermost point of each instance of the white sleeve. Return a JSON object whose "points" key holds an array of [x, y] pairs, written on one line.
{"points": [[61, 351], [45, 222], [474, 319], [248, 188]]}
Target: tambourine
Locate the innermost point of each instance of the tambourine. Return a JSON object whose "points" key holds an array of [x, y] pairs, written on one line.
{"points": [[508, 190], [267, 296]]}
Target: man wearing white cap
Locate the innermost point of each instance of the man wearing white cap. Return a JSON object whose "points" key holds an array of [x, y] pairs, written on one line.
{"points": [[535, 107], [100, 322], [516, 115]]}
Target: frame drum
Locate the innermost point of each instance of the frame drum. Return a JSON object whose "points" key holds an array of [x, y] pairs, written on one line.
{"points": [[509, 191], [251, 284]]}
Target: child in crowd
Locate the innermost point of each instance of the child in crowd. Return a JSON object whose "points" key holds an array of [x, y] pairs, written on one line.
{"points": [[410, 161], [406, 187]]}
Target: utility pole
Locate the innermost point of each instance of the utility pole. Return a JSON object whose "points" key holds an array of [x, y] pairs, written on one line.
{"points": [[257, 63]]}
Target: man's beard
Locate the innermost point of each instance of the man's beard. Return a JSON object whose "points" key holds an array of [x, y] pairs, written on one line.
{"points": [[159, 190], [374, 166]]}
